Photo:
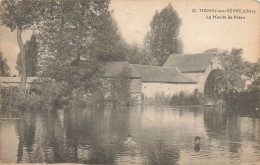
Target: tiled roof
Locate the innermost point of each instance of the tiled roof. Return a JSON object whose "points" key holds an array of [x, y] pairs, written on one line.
{"points": [[150, 73], [190, 62], [114, 68]]}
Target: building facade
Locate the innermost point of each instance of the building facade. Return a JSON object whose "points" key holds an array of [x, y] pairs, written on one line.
{"points": [[157, 80], [180, 73], [198, 67]]}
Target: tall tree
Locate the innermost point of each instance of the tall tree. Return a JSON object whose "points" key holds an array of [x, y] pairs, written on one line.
{"points": [[163, 38], [19, 15], [67, 34], [31, 58], [108, 44]]}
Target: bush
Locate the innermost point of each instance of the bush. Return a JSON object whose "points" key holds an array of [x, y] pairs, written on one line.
{"points": [[158, 99], [8, 96], [120, 93], [182, 99], [243, 101]]}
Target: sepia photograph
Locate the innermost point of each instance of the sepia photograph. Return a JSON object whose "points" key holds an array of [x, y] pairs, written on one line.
{"points": [[147, 82]]}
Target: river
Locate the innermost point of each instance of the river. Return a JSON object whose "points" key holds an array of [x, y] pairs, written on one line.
{"points": [[160, 135]]}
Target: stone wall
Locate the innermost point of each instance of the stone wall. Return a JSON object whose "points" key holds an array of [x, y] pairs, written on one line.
{"points": [[150, 89]]}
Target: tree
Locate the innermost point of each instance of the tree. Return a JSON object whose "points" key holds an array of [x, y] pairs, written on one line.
{"points": [[108, 44], [136, 54], [66, 35], [253, 70], [235, 66], [4, 68], [20, 15], [31, 58], [163, 38], [120, 88]]}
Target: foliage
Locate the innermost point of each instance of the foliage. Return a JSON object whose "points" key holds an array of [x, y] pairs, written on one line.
{"points": [[8, 96], [30, 58], [135, 54], [120, 88], [182, 99], [67, 34], [178, 99], [242, 101], [108, 44], [67, 31], [163, 39], [159, 99], [20, 15], [236, 67], [253, 70], [3, 71]]}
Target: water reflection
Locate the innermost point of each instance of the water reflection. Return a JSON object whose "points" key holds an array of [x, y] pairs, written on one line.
{"points": [[215, 122], [227, 128], [25, 130], [221, 125], [159, 135], [158, 152]]}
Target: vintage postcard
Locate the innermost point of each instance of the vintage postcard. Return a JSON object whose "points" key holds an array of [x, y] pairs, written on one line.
{"points": [[153, 82]]}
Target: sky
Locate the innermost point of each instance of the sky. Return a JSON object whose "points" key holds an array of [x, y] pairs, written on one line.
{"points": [[197, 33]]}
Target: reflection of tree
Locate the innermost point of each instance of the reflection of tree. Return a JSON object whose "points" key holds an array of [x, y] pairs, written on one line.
{"points": [[223, 127], [38, 137], [215, 123], [85, 136], [160, 153], [73, 135], [119, 123], [234, 134], [119, 127], [98, 139], [25, 128]]}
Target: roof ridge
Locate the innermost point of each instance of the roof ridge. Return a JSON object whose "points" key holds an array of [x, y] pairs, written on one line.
{"points": [[203, 53], [153, 66]]}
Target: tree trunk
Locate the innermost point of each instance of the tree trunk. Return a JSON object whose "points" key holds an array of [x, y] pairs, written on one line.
{"points": [[23, 63]]}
